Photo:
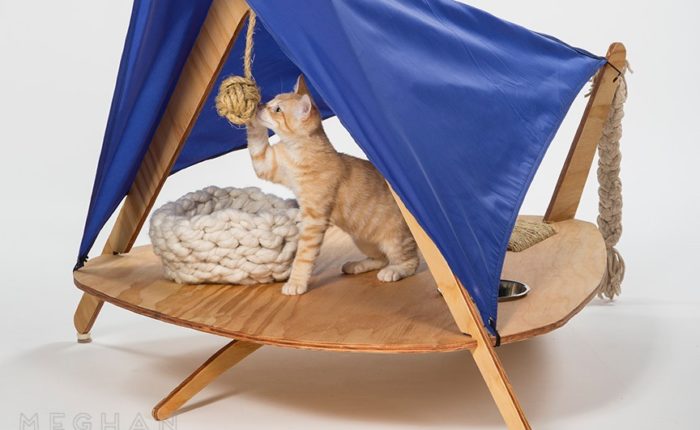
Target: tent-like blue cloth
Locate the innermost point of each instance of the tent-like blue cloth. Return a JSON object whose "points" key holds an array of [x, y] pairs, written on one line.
{"points": [[454, 106]]}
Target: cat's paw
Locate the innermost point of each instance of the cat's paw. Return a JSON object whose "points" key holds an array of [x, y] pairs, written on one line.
{"points": [[390, 274], [353, 268], [291, 288], [255, 126], [362, 266]]}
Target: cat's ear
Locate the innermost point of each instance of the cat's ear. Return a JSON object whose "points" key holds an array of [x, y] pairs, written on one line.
{"points": [[304, 107], [300, 87]]}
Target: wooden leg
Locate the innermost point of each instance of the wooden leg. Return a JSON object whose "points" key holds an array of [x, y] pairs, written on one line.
{"points": [[224, 359], [85, 315], [467, 318], [492, 371], [502, 392]]}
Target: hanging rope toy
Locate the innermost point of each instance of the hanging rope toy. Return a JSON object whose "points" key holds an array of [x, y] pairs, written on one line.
{"points": [[238, 96]]}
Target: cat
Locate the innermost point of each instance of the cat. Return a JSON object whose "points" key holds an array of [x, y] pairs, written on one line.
{"points": [[332, 188]]}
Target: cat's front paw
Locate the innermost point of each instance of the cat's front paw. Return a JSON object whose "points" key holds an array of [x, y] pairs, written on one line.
{"points": [[390, 274], [291, 288], [255, 126]]}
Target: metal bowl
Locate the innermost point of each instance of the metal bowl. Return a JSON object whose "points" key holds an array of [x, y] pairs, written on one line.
{"points": [[511, 290]]}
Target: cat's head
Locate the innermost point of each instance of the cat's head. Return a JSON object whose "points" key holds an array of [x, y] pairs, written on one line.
{"points": [[291, 114]]}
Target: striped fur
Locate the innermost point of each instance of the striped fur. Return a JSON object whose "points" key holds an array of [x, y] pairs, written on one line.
{"points": [[332, 189]]}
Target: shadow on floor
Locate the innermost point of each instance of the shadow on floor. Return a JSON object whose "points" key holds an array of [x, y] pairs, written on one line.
{"points": [[557, 376]]}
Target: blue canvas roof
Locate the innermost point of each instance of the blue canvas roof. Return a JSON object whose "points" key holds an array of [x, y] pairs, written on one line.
{"points": [[454, 106]]}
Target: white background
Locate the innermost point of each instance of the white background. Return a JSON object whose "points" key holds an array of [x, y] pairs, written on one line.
{"points": [[630, 364]]}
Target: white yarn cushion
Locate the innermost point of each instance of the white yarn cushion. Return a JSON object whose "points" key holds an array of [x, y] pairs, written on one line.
{"points": [[226, 235]]}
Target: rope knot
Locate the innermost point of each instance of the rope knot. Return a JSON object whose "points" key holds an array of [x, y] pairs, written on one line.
{"points": [[238, 99], [238, 96]]}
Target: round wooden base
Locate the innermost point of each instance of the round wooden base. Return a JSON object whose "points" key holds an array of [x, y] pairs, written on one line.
{"points": [[357, 313]]}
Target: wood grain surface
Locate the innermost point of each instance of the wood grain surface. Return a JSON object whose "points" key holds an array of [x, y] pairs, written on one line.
{"points": [[357, 313]]}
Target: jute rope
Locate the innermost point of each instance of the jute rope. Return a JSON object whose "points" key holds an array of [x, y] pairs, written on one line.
{"points": [[238, 96], [610, 192], [528, 233]]}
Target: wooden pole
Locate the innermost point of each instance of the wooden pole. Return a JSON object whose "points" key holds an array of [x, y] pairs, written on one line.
{"points": [[569, 188], [467, 317]]}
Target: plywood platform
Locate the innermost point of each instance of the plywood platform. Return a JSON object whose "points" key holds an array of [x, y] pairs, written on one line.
{"points": [[357, 313]]}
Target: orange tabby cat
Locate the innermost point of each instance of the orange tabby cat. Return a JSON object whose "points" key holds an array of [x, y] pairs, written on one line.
{"points": [[331, 188]]}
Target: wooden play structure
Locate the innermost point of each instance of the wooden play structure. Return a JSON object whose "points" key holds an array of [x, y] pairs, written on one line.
{"points": [[342, 313]]}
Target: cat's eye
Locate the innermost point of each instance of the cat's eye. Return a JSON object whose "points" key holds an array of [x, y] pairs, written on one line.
{"points": [[277, 109]]}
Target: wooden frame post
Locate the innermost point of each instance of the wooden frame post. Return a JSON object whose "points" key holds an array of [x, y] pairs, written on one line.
{"points": [[216, 37], [569, 188], [468, 320]]}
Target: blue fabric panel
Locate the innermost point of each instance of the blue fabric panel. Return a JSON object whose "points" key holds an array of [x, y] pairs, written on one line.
{"points": [[161, 35], [454, 106]]}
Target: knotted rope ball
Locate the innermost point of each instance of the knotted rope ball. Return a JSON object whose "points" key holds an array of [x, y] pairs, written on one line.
{"points": [[238, 99], [238, 96]]}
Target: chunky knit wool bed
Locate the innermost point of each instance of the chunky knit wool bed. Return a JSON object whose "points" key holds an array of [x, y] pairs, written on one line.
{"points": [[226, 235]]}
